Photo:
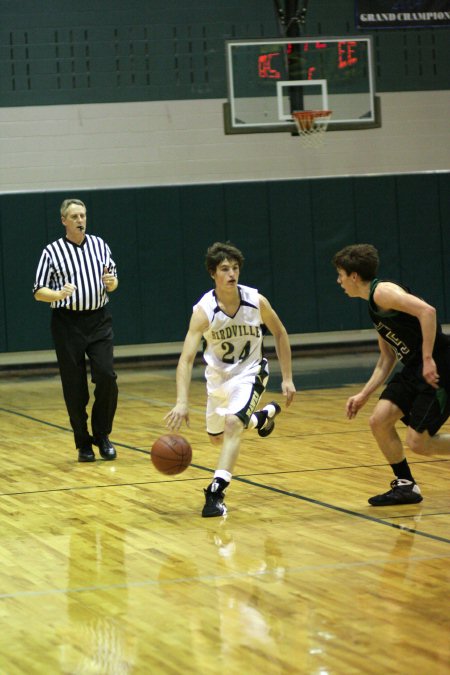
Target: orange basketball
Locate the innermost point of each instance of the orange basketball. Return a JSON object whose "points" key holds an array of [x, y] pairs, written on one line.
{"points": [[171, 454]]}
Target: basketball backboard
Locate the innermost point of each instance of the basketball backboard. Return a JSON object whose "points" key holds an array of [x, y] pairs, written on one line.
{"points": [[267, 79]]}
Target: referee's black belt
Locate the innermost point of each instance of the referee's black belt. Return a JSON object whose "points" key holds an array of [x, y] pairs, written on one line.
{"points": [[79, 312]]}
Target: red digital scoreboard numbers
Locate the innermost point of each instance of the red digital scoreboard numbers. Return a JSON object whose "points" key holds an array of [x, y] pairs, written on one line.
{"points": [[345, 52]]}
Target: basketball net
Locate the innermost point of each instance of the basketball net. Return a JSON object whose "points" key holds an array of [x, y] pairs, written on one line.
{"points": [[311, 125]]}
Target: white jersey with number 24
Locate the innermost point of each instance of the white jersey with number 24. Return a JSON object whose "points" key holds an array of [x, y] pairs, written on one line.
{"points": [[233, 344]]}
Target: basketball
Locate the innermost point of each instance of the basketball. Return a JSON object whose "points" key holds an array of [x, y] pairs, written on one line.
{"points": [[171, 454]]}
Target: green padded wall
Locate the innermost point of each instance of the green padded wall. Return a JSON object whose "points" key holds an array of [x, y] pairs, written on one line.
{"points": [[24, 233], [444, 219], [333, 227], [162, 265], [288, 231], [420, 236], [292, 248]]}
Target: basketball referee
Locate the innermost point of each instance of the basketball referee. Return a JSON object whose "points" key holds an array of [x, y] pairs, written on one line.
{"points": [[75, 275]]}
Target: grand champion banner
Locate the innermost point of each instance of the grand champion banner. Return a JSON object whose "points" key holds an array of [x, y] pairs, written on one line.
{"points": [[402, 13]]}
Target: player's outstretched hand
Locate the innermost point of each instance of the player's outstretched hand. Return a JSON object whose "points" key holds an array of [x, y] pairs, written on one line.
{"points": [[288, 389], [354, 404], [174, 418]]}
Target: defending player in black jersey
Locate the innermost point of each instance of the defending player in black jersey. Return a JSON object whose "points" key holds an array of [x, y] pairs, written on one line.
{"points": [[418, 395]]}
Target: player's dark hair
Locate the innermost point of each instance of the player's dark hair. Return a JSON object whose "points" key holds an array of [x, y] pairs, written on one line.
{"points": [[360, 258], [219, 252]]}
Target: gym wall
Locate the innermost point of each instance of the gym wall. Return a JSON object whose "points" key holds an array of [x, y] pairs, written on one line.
{"points": [[114, 94], [121, 105], [287, 229]]}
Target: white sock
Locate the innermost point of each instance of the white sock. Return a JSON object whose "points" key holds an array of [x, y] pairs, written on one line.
{"points": [[270, 409], [224, 475], [253, 421]]}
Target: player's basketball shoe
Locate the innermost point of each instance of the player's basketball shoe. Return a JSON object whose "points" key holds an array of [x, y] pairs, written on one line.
{"points": [[214, 496], [402, 491], [267, 424]]}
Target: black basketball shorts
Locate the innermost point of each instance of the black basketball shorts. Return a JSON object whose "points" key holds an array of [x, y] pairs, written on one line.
{"points": [[424, 408]]}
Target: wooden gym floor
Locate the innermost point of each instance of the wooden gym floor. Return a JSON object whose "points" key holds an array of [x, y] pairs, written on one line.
{"points": [[109, 569]]}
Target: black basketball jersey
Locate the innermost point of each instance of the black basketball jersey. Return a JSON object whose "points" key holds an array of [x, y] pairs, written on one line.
{"points": [[402, 331]]}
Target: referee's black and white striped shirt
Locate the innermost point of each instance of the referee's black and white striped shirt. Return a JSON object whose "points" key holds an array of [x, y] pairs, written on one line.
{"points": [[83, 265]]}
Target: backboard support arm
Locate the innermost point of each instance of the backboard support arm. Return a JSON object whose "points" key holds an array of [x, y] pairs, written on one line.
{"points": [[293, 19]]}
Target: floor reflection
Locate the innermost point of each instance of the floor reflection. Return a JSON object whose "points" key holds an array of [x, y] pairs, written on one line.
{"points": [[98, 604]]}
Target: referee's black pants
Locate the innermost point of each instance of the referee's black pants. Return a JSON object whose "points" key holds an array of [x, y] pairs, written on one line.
{"points": [[77, 335]]}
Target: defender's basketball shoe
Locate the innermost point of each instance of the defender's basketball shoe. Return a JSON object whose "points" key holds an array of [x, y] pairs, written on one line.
{"points": [[402, 491]]}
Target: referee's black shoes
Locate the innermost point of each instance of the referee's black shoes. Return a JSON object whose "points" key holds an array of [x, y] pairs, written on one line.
{"points": [[106, 448], [86, 454]]}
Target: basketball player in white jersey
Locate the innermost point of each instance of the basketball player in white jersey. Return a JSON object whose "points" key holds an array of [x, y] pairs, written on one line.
{"points": [[230, 319]]}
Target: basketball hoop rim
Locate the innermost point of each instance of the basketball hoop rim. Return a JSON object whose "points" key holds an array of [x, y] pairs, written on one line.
{"points": [[311, 124], [311, 114]]}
